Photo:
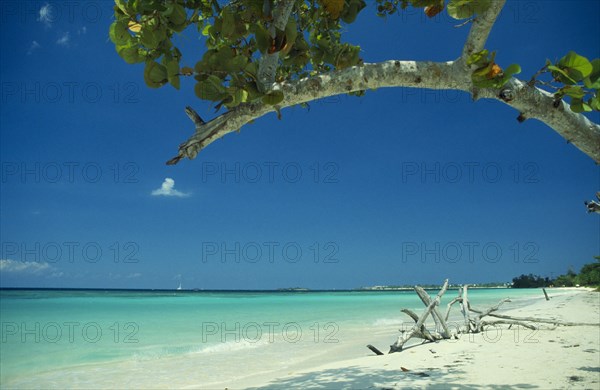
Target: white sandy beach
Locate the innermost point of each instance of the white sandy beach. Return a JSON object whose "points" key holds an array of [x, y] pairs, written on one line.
{"points": [[567, 357]]}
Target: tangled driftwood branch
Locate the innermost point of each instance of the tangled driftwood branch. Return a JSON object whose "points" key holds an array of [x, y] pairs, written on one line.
{"points": [[472, 324]]}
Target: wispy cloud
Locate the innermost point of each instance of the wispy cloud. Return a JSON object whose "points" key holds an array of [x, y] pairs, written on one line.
{"points": [[45, 15], [168, 189], [64, 40], [34, 46], [24, 267]]}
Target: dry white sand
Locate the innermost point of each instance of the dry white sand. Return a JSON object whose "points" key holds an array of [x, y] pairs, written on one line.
{"points": [[567, 357]]}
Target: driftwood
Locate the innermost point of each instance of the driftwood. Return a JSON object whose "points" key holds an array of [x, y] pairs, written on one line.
{"points": [[422, 332], [464, 308], [375, 350], [440, 322], [544, 321], [545, 294], [403, 338], [472, 324], [452, 302]]}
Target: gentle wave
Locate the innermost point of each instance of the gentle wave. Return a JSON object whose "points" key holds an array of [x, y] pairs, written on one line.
{"points": [[387, 322]]}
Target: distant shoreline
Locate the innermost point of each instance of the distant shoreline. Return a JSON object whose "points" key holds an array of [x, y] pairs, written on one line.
{"points": [[280, 290]]}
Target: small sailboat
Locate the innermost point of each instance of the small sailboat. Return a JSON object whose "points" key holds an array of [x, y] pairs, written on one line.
{"points": [[179, 287]]}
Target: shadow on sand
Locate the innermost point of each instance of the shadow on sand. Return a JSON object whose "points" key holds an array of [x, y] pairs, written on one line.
{"points": [[354, 377]]}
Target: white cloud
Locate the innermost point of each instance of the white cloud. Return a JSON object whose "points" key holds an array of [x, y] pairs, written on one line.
{"points": [[27, 267], [64, 40], [34, 46], [167, 189], [46, 16], [133, 275]]}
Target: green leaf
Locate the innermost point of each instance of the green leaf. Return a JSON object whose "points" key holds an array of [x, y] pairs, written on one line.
{"points": [[291, 32], [575, 92], [576, 66], [151, 37], [272, 98], [210, 89], [176, 14], [350, 13], [172, 67], [263, 38], [561, 75], [236, 64], [228, 28], [174, 81], [577, 105], [238, 96], [173, 72], [222, 58], [130, 54], [122, 5], [118, 33], [593, 80], [594, 103], [463, 9], [155, 74], [479, 58], [512, 69], [483, 71]]}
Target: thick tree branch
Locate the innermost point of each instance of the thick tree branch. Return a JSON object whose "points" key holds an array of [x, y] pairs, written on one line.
{"points": [[535, 103], [531, 102], [267, 66], [432, 75], [480, 30]]}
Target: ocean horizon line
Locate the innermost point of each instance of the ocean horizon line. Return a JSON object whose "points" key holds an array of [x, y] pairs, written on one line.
{"points": [[278, 290]]}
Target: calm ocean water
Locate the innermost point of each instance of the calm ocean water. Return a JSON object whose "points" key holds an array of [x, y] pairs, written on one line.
{"points": [[148, 339]]}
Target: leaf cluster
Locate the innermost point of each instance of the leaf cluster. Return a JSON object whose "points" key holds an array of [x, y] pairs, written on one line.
{"points": [[578, 78], [236, 35], [488, 74], [457, 9]]}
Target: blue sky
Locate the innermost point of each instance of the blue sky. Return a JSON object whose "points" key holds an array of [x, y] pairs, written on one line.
{"points": [[397, 187]]}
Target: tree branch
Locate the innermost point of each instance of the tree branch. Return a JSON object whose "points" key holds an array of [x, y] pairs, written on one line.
{"points": [[433, 75], [267, 66], [531, 102], [480, 30]]}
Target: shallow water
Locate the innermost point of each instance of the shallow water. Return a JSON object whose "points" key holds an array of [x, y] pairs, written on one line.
{"points": [[79, 339]]}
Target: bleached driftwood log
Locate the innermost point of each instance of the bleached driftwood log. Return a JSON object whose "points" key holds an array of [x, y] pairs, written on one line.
{"points": [[440, 322], [464, 307], [452, 302], [403, 338]]}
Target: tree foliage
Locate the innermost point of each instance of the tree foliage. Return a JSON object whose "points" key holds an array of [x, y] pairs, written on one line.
{"points": [[588, 276], [237, 34], [530, 281]]}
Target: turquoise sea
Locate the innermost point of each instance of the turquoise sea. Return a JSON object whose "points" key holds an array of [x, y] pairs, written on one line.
{"points": [[178, 339]]}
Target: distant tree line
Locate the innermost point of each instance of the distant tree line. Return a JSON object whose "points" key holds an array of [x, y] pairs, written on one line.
{"points": [[589, 276], [530, 281]]}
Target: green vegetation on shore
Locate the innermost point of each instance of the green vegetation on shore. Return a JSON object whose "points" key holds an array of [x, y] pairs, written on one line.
{"points": [[588, 276]]}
